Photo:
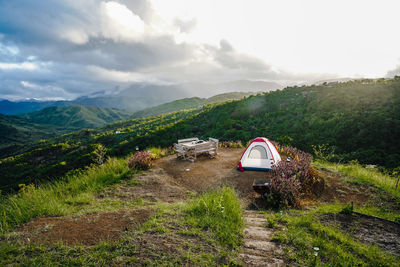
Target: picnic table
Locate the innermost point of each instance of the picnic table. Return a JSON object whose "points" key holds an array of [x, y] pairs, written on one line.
{"points": [[191, 147]]}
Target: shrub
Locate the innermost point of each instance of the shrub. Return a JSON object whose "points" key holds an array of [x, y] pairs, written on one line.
{"points": [[285, 184], [141, 161], [290, 178], [231, 144]]}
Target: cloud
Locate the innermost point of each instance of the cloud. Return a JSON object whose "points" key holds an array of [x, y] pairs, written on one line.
{"points": [[185, 26], [393, 72], [66, 49], [18, 66]]}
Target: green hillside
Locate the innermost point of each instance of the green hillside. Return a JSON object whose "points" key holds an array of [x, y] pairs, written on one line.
{"points": [[357, 120], [76, 117], [17, 131], [188, 103]]}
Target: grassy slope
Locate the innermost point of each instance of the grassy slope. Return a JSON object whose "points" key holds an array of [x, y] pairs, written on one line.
{"points": [[218, 231], [188, 103], [302, 231], [215, 215]]}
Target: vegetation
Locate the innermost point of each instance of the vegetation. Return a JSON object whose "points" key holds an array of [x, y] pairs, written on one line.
{"points": [[61, 197], [358, 174], [311, 243], [355, 120], [51, 122], [188, 103], [171, 222], [220, 211]]}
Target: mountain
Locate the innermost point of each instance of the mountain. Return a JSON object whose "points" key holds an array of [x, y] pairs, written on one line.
{"points": [[11, 108], [188, 103], [50, 122], [76, 117], [356, 120], [142, 95]]}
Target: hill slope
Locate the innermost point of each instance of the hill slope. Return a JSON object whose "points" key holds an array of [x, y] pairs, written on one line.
{"points": [[187, 103], [75, 116], [51, 122], [359, 120]]}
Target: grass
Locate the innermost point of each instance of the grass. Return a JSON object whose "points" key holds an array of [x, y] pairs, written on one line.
{"points": [[360, 175], [381, 212], [220, 211], [63, 197], [302, 233], [194, 242]]}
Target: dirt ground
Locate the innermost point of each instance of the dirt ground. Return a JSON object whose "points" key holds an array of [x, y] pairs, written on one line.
{"points": [[205, 173], [367, 229], [88, 229]]}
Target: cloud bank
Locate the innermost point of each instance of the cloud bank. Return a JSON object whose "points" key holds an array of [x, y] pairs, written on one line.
{"points": [[64, 49]]}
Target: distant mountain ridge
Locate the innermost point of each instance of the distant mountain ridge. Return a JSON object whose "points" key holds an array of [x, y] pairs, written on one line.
{"points": [[142, 95], [54, 121], [188, 103], [76, 116]]}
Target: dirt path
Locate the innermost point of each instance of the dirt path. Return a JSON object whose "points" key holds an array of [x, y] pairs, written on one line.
{"points": [[258, 250]]}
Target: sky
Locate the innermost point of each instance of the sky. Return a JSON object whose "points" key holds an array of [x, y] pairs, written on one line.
{"points": [[63, 49]]}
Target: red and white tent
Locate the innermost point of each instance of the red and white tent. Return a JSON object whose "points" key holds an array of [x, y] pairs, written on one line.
{"points": [[260, 155]]}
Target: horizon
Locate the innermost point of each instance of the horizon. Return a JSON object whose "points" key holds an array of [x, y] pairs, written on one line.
{"points": [[110, 45]]}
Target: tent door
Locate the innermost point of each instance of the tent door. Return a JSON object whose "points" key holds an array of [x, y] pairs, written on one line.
{"points": [[258, 157]]}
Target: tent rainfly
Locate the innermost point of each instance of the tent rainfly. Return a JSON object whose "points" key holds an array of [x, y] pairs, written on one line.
{"points": [[260, 155]]}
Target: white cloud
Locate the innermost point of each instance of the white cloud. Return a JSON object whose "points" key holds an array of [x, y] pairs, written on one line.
{"points": [[102, 74], [18, 66], [120, 23], [74, 36]]}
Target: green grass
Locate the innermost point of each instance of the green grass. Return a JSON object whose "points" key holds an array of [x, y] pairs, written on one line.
{"points": [[62, 197], [302, 233], [381, 212], [360, 175], [220, 211], [195, 243]]}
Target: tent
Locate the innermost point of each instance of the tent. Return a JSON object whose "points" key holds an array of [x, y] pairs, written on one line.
{"points": [[260, 155]]}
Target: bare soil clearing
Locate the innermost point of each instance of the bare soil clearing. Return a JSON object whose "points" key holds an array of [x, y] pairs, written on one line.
{"points": [[88, 229], [153, 185], [368, 230], [205, 173]]}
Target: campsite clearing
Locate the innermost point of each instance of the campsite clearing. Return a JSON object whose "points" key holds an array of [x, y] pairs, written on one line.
{"points": [[165, 235]]}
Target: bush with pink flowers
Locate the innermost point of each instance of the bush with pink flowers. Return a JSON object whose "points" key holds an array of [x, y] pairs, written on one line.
{"points": [[292, 177], [142, 160]]}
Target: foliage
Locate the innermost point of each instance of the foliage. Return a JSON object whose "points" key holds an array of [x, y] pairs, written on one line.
{"points": [[142, 160], [348, 209], [220, 211], [188, 103], [52, 121], [291, 177], [99, 154], [231, 144]]}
